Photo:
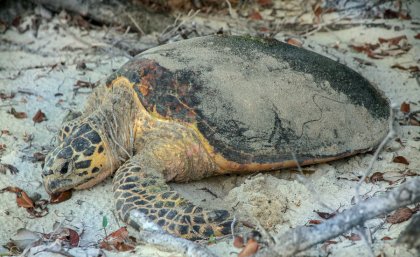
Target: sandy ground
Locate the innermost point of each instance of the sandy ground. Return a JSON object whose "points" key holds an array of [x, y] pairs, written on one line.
{"points": [[42, 73]]}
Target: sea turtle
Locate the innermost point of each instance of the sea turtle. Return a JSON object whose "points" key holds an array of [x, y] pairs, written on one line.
{"points": [[210, 106]]}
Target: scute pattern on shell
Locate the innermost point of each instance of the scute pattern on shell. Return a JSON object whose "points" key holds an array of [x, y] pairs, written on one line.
{"points": [[161, 91]]}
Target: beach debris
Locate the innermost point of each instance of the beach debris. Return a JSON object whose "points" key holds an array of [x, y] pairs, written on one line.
{"points": [[36, 208], [18, 115], [400, 159], [4, 167], [39, 117], [119, 241], [60, 197], [400, 215], [385, 47]]}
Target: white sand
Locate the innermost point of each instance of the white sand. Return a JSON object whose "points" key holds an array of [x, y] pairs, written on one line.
{"points": [[275, 200]]}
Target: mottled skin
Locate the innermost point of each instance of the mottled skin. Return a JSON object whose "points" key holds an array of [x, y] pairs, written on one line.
{"points": [[146, 153]]}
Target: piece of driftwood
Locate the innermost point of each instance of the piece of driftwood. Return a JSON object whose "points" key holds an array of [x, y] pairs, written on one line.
{"points": [[301, 238], [111, 12]]}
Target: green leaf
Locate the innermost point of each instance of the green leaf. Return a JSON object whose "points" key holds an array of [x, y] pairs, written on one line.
{"points": [[212, 239], [104, 221]]}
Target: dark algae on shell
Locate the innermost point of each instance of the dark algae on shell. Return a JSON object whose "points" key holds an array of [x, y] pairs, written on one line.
{"points": [[259, 101]]}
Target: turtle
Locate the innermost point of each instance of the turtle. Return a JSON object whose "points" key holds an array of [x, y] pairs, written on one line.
{"points": [[211, 106]]}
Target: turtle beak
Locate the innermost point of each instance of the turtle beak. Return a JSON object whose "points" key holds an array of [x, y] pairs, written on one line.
{"points": [[56, 186]]}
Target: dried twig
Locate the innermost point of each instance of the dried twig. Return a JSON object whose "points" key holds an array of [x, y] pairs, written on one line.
{"points": [[302, 238], [390, 135], [136, 24], [112, 12], [171, 32], [231, 12], [151, 234]]}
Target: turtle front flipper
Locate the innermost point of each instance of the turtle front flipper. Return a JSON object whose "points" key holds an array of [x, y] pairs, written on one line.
{"points": [[142, 188]]}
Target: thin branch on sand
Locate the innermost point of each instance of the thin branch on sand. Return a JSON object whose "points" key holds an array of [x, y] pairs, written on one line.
{"points": [[176, 244], [389, 136], [302, 238], [153, 235]]}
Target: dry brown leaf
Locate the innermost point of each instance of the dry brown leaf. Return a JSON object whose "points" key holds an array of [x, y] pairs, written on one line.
{"points": [[39, 117], [22, 198], [118, 241], [400, 215], [39, 157], [385, 238], [325, 215], [250, 248], [255, 15], [417, 36], [412, 68], [294, 41], [18, 115], [60, 197], [72, 237], [317, 9], [392, 41], [8, 167], [377, 176], [315, 222], [238, 242], [367, 48], [4, 96], [405, 107], [400, 159], [64, 235]]}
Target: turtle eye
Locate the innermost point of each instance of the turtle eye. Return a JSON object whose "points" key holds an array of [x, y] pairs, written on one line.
{"points": [[65, 168]]}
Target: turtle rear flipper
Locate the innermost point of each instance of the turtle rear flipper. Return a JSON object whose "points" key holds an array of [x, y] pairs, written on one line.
{"points": [[140, 185]]}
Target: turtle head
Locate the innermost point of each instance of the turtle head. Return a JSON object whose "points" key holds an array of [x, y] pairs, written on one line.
{"points": [[78, 162]]}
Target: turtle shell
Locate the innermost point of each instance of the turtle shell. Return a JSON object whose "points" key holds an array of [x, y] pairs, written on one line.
{"points": [[260, 101]]}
